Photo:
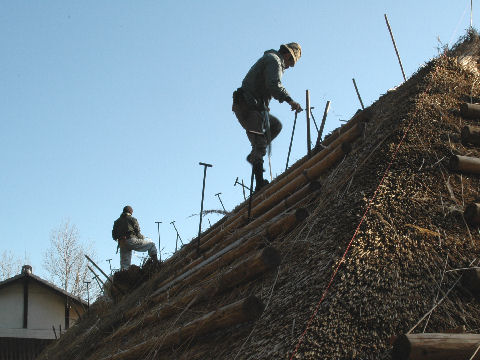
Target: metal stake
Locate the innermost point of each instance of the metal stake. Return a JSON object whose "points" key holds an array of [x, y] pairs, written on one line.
{"points": [[110, 264], [218, 195], [178, 235], [205, 166], [243, 187], [395, 46], [322, 125], [309, 142], [159, 247], [291, 140], [358, 94]]}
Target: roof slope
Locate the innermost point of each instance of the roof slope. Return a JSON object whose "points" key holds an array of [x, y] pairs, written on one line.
{"points": [[412, 232], [43, 282]]}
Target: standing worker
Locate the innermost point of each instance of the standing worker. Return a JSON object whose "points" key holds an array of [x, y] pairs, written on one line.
{"points": [[126, 232], [250, 102]]}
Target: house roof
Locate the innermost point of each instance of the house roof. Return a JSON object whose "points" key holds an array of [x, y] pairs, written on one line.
{"points": [[42, 282]]}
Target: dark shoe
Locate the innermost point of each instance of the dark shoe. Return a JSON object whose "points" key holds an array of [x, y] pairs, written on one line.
{"points": [[258, 172], [260, 185]]}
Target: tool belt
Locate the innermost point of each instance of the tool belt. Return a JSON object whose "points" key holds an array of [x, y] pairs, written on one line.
{"points": [[245, 101]]}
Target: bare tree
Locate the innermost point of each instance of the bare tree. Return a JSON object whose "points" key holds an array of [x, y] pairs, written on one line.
{"points": [[64, 260], [9, 265]]}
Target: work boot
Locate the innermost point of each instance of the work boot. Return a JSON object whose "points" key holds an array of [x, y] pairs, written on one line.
{"points": [[260, 182]]}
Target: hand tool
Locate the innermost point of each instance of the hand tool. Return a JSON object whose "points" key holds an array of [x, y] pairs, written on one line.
{"points": [[178, 235], [243, 187], [291, 140], [205, 166], [218, 195]]}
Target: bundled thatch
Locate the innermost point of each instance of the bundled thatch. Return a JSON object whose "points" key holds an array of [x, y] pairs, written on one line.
{"points": [[399, 265]]}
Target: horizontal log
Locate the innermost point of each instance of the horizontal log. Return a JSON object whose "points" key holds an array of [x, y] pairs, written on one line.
{"points": [[287, 202], [472, 214], [225, 256], [243, 272], [245, 310], [471, 135], [240, 218], [436, 347], [222, 258], [470, 111], [465, 164]]}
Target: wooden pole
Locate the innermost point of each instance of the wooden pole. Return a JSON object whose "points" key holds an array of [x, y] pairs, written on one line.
{"points": [[395, 46], [472, 214], [307, 110], [247, 309], [358, 94], [245, 271], [471, 134], [436, 346], [470, 111], [465, 164], [322, 125]]}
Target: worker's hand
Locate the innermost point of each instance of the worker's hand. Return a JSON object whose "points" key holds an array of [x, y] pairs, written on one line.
{"points": [[295, 106]]}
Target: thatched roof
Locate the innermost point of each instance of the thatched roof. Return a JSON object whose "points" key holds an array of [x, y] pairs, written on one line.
{"points": [[408, 233]]}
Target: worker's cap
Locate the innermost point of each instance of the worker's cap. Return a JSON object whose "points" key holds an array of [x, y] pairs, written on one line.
{"points": [[128, 209], [294, 49]]}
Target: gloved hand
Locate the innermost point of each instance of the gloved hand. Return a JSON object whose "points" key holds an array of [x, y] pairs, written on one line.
{"points": [[295, 106]]}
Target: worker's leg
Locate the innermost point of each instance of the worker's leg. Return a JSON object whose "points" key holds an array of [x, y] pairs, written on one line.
{"points": [[143, 245], [275, 126], [125, 257]]}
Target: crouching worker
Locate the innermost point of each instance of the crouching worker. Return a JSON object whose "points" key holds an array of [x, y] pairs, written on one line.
{"points": [[126, 232]]}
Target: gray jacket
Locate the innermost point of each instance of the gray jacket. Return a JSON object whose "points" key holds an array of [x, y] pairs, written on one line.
{"points": [[263, 81]]}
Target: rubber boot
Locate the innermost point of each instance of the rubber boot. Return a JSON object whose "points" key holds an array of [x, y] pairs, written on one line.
{"points": [[260, 182]]}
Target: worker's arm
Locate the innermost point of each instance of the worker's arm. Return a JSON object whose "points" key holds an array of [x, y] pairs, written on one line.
{"points": [[273, 75], [136, 227]]}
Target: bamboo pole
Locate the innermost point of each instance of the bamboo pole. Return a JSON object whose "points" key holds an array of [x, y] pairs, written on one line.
{"points": [[343, 135], [470, 111], [465, 164], [274, 203], [349, 135], [472, 214], [286, 193], [471, 134], [436, 346], [245, 310], [222, 258], [245, 271], [226, 255]]}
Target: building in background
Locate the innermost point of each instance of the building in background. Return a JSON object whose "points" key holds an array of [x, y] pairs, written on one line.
{"points": [[33, 312]]}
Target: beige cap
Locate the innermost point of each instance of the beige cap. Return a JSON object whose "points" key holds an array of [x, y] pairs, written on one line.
{"points": [[295, 50]]}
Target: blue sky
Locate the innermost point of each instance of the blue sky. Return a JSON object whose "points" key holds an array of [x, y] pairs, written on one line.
{"points": [[108, 103]]}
